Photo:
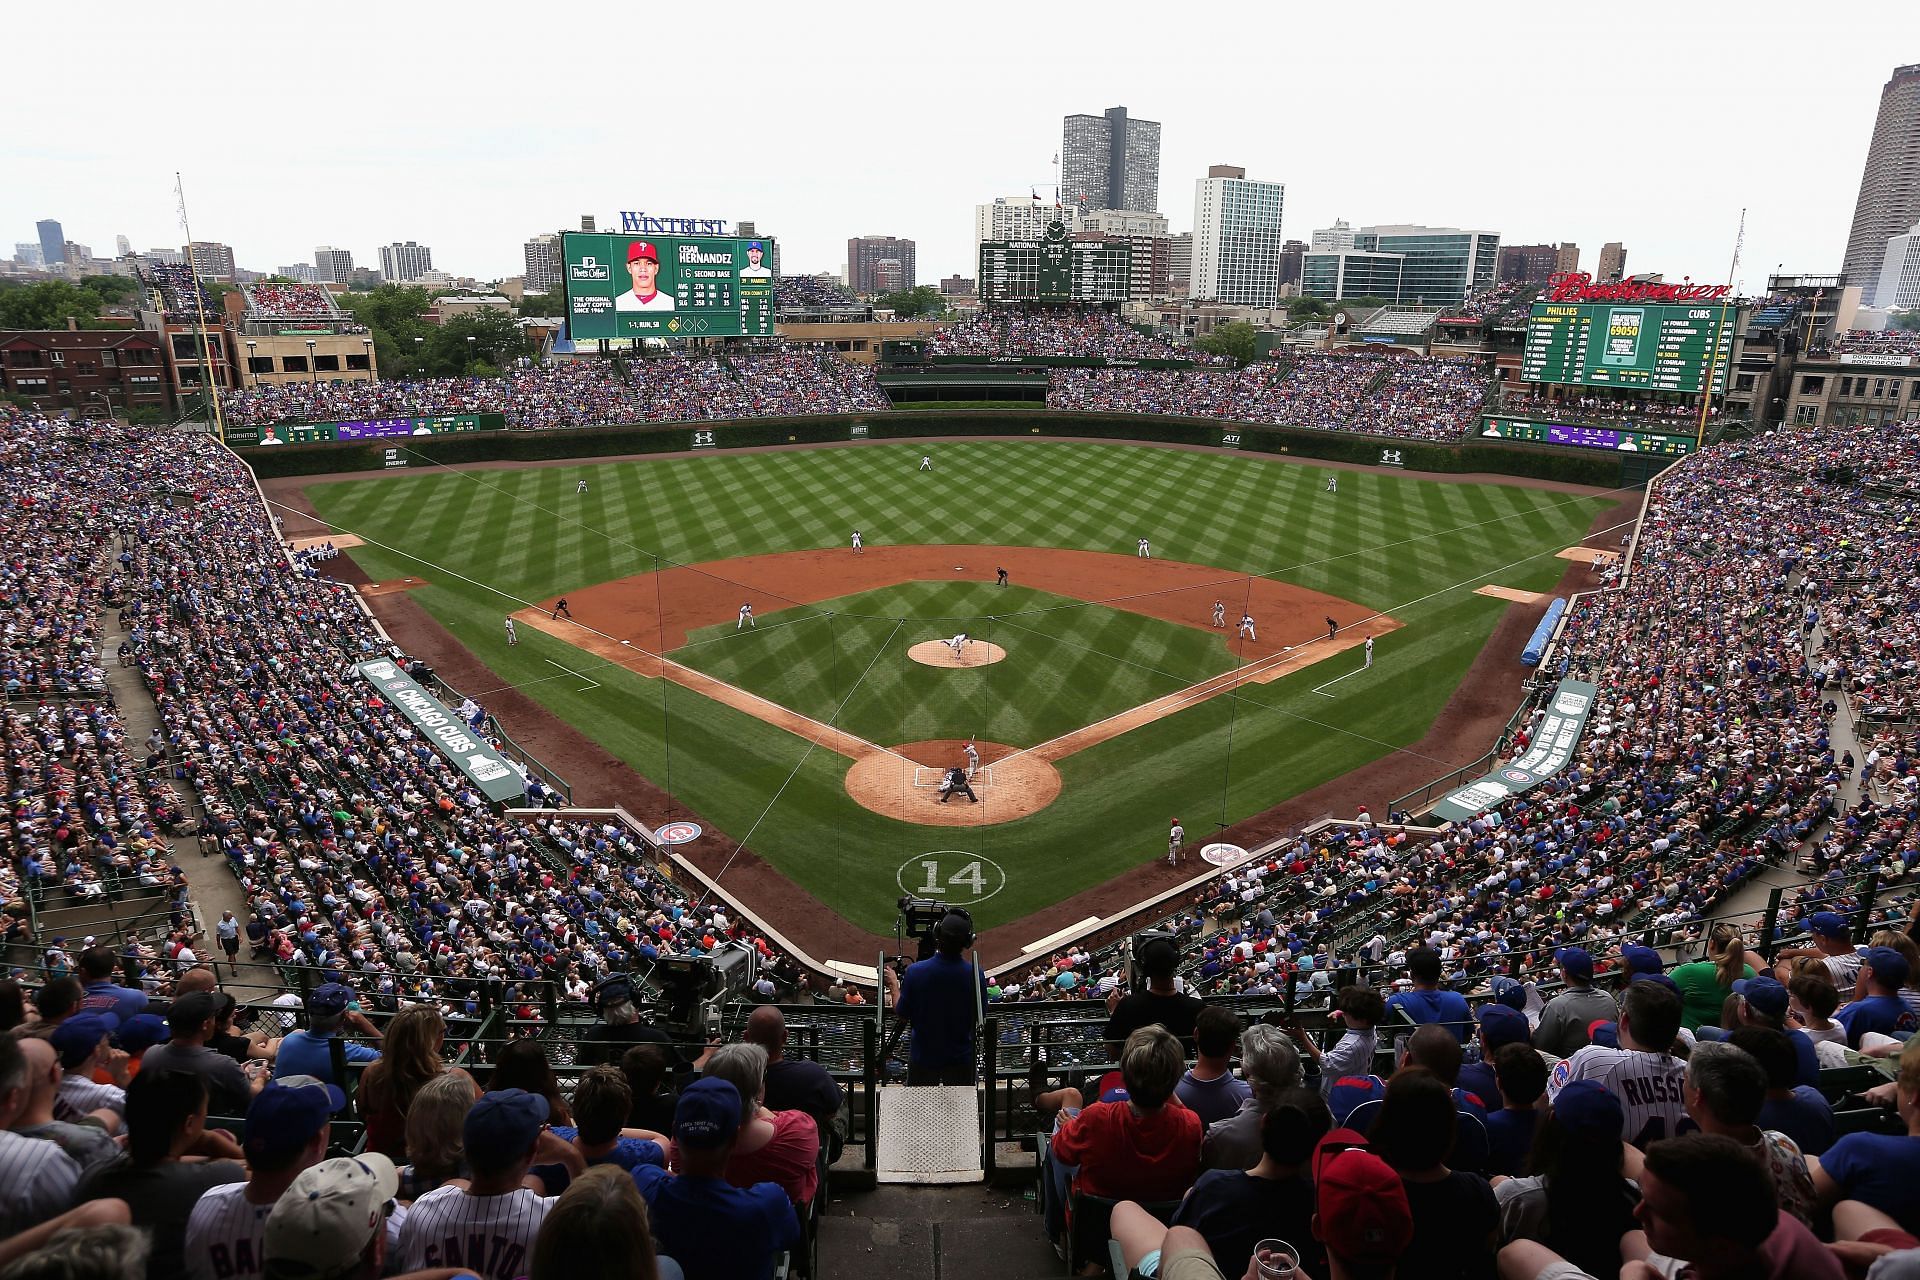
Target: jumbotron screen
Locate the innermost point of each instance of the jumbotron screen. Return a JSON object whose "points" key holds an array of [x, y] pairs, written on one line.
{"points": [[1054, 269], [1642, 346], [640, 286]]}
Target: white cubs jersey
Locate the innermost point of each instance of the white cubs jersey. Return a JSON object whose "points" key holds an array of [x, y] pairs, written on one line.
{"points": [[1650, 1086], [491, 1236], [225, 1233]]}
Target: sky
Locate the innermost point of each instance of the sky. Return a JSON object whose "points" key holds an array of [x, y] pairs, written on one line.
{"points": [[470, 127]]}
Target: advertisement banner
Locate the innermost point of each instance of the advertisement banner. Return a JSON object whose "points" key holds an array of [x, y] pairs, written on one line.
{"points": [[499, 781], [1554, 738], [364, 429]]}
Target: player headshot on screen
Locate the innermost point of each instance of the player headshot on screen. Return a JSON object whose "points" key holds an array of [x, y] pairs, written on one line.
{"points": [[753, 270], [643, 263]]}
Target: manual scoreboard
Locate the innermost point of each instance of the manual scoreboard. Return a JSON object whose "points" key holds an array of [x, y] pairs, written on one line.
{"points": [[1638, 346], [639, 286], [1055, 269]]}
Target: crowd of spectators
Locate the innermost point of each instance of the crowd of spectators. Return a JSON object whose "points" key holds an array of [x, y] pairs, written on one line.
{"points": [[1411, 397], [811, 293], [181, 293], [297, 301], [1878, 342], [1495, 303], [582, 393], [1633, 413], [1054, 331]]}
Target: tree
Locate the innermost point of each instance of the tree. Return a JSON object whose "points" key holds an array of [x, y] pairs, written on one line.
{"points": [[1305, 309], [112, 288], [544, 304], [921, 301], [395, 316], [497, 344], [48, 304], [1234, 341], [1907, 320]]}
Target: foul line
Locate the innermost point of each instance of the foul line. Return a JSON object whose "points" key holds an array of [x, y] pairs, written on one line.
{"points": [[591, 683], [1337, 679]]}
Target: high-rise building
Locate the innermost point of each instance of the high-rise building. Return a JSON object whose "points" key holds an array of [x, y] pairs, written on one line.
{"points": [[542, 259], [404, 261], [1527, 263], [957, 286], [301, 271], [865, 253], [1180, 264], [1899, 283], [53, 242], [1017, 218], [889, 275], [1431, 266], [165, 257], [1612, 267], [28, 254], [1291, 255], [1145, 234], [1889, 200], [123, 247], [331, 265], [1236, 238], [210, 259], [1109, 161], [1567, 259]]}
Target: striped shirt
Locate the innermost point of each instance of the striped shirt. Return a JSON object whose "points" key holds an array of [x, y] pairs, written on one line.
{"points": [[225, 1234], [79, 1096], [38, 1180], [1650, 1087], [491, 1236]]}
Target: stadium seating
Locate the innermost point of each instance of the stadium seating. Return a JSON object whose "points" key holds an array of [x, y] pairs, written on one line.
{"points": [[1054, 331]]}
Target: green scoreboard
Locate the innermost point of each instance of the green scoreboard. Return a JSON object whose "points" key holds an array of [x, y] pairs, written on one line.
{"points": [[1641, 346], [1055, 268], [637, 286]]}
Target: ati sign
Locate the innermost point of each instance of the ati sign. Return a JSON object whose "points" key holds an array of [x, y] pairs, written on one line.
{"points": [[1230, 440]]}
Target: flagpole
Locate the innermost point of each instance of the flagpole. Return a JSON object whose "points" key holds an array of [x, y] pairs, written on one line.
{"points": [[1719, 333], [200, 307]]}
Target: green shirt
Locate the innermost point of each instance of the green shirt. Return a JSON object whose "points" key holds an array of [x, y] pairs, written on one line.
{"points": [[1701, 992]]}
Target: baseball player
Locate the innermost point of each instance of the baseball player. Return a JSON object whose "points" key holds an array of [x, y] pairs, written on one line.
{"points": [[1369, 661], [1175, 838], [581, 487], [973, 758], [956, 784], [1146, 549], [1220, 613], [1333, 628], [926, 462], [643, 264], [746, 617], [513, 637], [1333, 483], [561, 607], [958, 643], [858, 542], [1001, 580], [1246, 627]]}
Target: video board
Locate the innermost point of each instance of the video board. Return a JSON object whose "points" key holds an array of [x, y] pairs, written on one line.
{"points": [[1640, 346], [1619, 440], [638, 286]]}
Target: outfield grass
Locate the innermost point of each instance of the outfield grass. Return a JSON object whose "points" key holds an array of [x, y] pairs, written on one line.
{"points": [[1072, 663], [489, 541]]}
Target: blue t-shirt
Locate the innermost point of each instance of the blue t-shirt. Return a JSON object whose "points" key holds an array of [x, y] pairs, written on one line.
{"points": [[1805, 1117], [304, 1054], [715, 1230], [105, 996], [1510, 1140], [1478, 1079], [937, 999], [1880, 1171], [1423, 1007], [1885, 1014], [628, 1153]]}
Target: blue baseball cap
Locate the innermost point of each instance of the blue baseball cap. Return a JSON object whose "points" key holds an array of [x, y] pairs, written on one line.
{"points": [[1501, 1025], [1510, 992], [1604, 1032], [141, 1032], [1349, 1092], [330, 998], [1766, 995], [1575, 961], [1587, 1106], [76, 1038], [286, 1114], [707, 1115], [1828, 924], [1642, 960], [1888, 965], [504, 1124], [755, 244], [1658, 980]]}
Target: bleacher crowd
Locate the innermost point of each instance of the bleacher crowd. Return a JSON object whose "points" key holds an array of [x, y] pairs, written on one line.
{"points": [[1054, 331], [296, 301]]}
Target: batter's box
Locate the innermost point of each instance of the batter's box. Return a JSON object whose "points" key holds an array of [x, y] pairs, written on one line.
{"points": [[926, 776]]}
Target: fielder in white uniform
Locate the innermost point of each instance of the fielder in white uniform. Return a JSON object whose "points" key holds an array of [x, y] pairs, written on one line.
{"points": [[958, 643], [513, 637], [1369, 661], [581, 487], [746, 617], [1333, 483], [973, 758], [857, 542], [926, 463], [1146, 549], [1220, 613], [1246, 627], [1175, 838]]}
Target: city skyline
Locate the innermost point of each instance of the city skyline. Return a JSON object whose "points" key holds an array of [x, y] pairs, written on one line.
{"points": [[477, 186]]}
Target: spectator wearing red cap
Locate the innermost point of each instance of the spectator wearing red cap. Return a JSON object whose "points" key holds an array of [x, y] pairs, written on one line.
{"points": [[1362, 1215], [643, 264]]}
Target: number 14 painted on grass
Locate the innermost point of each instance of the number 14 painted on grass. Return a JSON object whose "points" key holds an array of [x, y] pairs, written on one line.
{"points": [[972, 876]]}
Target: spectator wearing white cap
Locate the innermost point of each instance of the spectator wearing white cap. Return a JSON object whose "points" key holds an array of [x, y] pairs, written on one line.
{"points": [[330, 1223]]}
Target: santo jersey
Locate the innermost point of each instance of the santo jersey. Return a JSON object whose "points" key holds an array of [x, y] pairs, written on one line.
{"points": [[1650, 1086]]}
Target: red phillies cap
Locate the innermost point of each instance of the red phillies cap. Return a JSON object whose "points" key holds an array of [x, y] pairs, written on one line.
{"points": [[642, 249], [1363, 1212]]}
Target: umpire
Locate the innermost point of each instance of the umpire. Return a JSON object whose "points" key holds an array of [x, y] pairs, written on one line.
{"points": [[957, 784], [940, 999]]}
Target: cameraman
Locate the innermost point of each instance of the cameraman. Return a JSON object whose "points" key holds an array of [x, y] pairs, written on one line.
{"points": [[940, 999], [619, 1027]]}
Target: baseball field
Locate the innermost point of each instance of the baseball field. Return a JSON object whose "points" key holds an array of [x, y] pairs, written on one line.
{"points": [[1102, 696]]}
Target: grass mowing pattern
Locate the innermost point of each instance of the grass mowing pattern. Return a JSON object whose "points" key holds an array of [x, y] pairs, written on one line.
{"points": [[1383, 541]]}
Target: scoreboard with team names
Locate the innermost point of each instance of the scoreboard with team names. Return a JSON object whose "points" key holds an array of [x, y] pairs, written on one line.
{"points": [[1055, 268], [1638, 346], [646, 286]]}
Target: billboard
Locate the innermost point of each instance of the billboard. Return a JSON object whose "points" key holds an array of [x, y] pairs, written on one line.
{"points": [[488, 770], [643, 286], [1055, 269], [363, 429], [1617, 439], [1640, 346], [1551, 750]]}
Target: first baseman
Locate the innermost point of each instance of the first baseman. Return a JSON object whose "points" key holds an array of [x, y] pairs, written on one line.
{"points": [[746, 617], [1219, 613], [513, 637], [1369, 661], [1246, 627]]}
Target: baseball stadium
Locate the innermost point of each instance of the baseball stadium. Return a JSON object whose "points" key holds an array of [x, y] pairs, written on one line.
{"points": [[642, 723]]}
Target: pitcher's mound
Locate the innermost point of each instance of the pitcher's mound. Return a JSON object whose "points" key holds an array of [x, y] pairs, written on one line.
{"points": [[905, 784], [975, 653]]}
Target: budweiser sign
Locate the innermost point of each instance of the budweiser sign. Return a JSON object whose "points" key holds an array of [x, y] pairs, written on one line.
{"points": [[1578, 286]]}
